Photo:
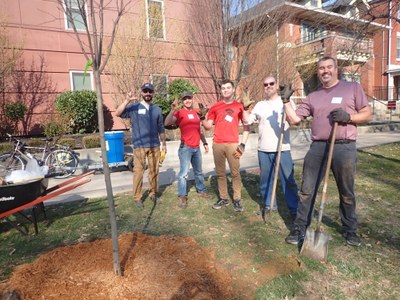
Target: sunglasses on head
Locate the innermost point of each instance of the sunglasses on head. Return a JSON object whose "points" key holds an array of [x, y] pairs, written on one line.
{"points": [[147, 91], [269, 84]]}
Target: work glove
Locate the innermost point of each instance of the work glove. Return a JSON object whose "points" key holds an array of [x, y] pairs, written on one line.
{"points": [[246, 101], [239, 150], [202, 112], [285, 91], [339, 115], [162, 157]]}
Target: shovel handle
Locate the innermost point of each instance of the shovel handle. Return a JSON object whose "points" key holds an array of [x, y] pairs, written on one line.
{"points": [[278, 160], [326, 177]]}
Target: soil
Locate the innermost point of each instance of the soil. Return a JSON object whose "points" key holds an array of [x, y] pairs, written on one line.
{"points": [[165, 267]]}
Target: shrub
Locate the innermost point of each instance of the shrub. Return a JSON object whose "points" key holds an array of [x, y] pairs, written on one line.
{"points": [[69, 142], [57, 127], [6, 148], [14, 112], [91, 141], [178, 86], [35, 143], [81, 108]]}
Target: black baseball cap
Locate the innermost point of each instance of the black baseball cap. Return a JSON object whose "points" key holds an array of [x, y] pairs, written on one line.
{"points": [[148, 86], [186, 94]]}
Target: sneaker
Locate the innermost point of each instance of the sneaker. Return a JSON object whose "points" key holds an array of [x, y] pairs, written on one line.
{"points": [[138, 204], [295, 236], [237, 206], [204, 195], [182, 201], [220, 203], [352, 239], [155, 199]]}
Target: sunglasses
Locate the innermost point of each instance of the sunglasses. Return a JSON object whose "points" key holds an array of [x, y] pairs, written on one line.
{"points": [[269, 84], [147, 91]]}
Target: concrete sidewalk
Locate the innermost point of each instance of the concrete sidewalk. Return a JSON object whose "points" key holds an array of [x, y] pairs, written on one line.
{"points": [[122, 179]]}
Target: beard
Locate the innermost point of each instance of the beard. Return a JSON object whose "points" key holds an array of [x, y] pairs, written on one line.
{"points": [[148, 98]]}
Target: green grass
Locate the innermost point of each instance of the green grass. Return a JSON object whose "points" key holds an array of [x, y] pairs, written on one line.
{"points": [[244, 245]]}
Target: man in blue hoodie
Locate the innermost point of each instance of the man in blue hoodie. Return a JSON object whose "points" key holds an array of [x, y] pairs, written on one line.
{"points": [[147, 131]]}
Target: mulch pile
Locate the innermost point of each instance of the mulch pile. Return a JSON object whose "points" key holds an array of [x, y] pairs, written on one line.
{"points": [[164, 267]]}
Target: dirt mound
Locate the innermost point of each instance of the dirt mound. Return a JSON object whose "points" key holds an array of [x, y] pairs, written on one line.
{"points": [[164, 267]]}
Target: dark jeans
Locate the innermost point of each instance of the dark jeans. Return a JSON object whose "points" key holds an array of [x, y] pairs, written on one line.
{"points": [[343, 167]]}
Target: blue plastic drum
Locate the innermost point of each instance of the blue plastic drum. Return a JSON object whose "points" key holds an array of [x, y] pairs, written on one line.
{"points": [[114, 146]]}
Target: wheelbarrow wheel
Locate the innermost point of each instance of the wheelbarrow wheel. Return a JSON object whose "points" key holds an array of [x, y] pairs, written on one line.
{"points": [[130, 164]]}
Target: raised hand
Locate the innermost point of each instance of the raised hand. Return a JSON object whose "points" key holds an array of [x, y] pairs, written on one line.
{"points": [[202, 111], [285, 91], [175, 104], [246, 101]]}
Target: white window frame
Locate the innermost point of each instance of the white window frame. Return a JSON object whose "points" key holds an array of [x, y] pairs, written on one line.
{"points": [[66, 18], [160, 75], [90, 73], [148, 21]]}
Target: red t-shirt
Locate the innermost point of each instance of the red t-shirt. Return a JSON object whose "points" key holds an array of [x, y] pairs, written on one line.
{"points": [[189, 124], [226, 121]]}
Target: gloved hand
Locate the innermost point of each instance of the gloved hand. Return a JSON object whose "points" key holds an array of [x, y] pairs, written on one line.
{"points": [[285, 91], [239, 150], [246, 101], [202, 112], [162, 157], [339, 115]]}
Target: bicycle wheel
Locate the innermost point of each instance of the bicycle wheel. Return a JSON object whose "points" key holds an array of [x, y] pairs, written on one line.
{"points": [[62, 163], [9, 163]]}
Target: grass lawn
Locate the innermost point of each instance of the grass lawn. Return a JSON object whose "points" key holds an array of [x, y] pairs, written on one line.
{"points": [[253, 252]]}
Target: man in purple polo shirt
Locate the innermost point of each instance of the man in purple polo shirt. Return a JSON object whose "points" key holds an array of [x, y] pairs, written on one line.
{"points": [[336, 101]]}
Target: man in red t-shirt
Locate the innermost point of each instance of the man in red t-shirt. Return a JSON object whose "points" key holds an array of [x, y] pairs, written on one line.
{"points": [[189, 151], [225, 116]]}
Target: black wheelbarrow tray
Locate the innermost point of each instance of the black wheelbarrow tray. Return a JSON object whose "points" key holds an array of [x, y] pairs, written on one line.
{"points": [[17, 197]]}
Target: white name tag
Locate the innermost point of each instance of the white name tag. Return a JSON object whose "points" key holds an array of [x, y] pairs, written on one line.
{"points": [[337, 100], [228, 118], [190, 116], [142, 111]]}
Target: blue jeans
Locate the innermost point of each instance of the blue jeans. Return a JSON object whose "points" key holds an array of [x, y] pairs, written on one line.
{"points": [[187, 156], [267, 162], [343, 168]]}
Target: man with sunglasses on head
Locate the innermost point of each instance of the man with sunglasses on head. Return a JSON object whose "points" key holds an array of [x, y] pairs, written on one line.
{"points": [[225, 115], [268, 113], [147, 131], [189, 151]]}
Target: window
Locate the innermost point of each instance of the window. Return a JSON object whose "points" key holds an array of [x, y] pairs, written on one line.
{"points": [[351, 77], [310, 33], [81, 81], [160, 83], [155, 19], [74, 7], [398, 11], [398, 47]]}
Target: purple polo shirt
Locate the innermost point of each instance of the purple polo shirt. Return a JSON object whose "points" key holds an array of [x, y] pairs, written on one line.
{"points": [[346, 95]]}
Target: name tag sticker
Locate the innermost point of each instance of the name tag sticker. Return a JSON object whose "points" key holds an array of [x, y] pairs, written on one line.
{"points": [[142, 111], [337, 100], [228, 118], [190, 116]]}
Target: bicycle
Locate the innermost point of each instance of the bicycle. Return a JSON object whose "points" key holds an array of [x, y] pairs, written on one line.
{"points": [[61, 161]]}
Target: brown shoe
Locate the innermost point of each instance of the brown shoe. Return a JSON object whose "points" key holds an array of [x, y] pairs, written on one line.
{"points": [[182, 201], [204, 195], [138, 204]]}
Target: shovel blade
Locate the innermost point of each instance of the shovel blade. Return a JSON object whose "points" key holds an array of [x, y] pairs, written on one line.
{"points": [[315, 245]]}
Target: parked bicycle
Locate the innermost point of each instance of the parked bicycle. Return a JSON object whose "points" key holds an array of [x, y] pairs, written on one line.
{"points": [[61, 161]]}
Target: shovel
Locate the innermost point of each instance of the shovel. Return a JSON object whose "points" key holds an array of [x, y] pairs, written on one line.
{"points": [[276, 170], [315, 243]]}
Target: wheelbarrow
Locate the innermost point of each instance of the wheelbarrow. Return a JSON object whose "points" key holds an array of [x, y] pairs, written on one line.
{"points": [[19, 196]]}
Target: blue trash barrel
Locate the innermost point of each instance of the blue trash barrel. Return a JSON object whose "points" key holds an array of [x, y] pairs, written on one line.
{"points": [[114, 146]]}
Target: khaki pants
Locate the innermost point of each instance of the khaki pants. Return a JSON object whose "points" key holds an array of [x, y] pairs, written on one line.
{"points": [[223, 152], [139, 161]]}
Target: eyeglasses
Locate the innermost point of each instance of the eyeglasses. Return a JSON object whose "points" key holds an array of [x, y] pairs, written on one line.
{"points": [[269, 84], [147, 91]]}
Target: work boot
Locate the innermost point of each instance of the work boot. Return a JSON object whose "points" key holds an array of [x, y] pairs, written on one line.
{"points": [[220, 203], [155, 199], [237, 206], [138, 204], [204, 195], [352, 239], [295, 236], [182, 201]]}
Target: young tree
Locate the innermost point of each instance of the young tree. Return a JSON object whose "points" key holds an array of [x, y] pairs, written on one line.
{"points": [[97, 51]]}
